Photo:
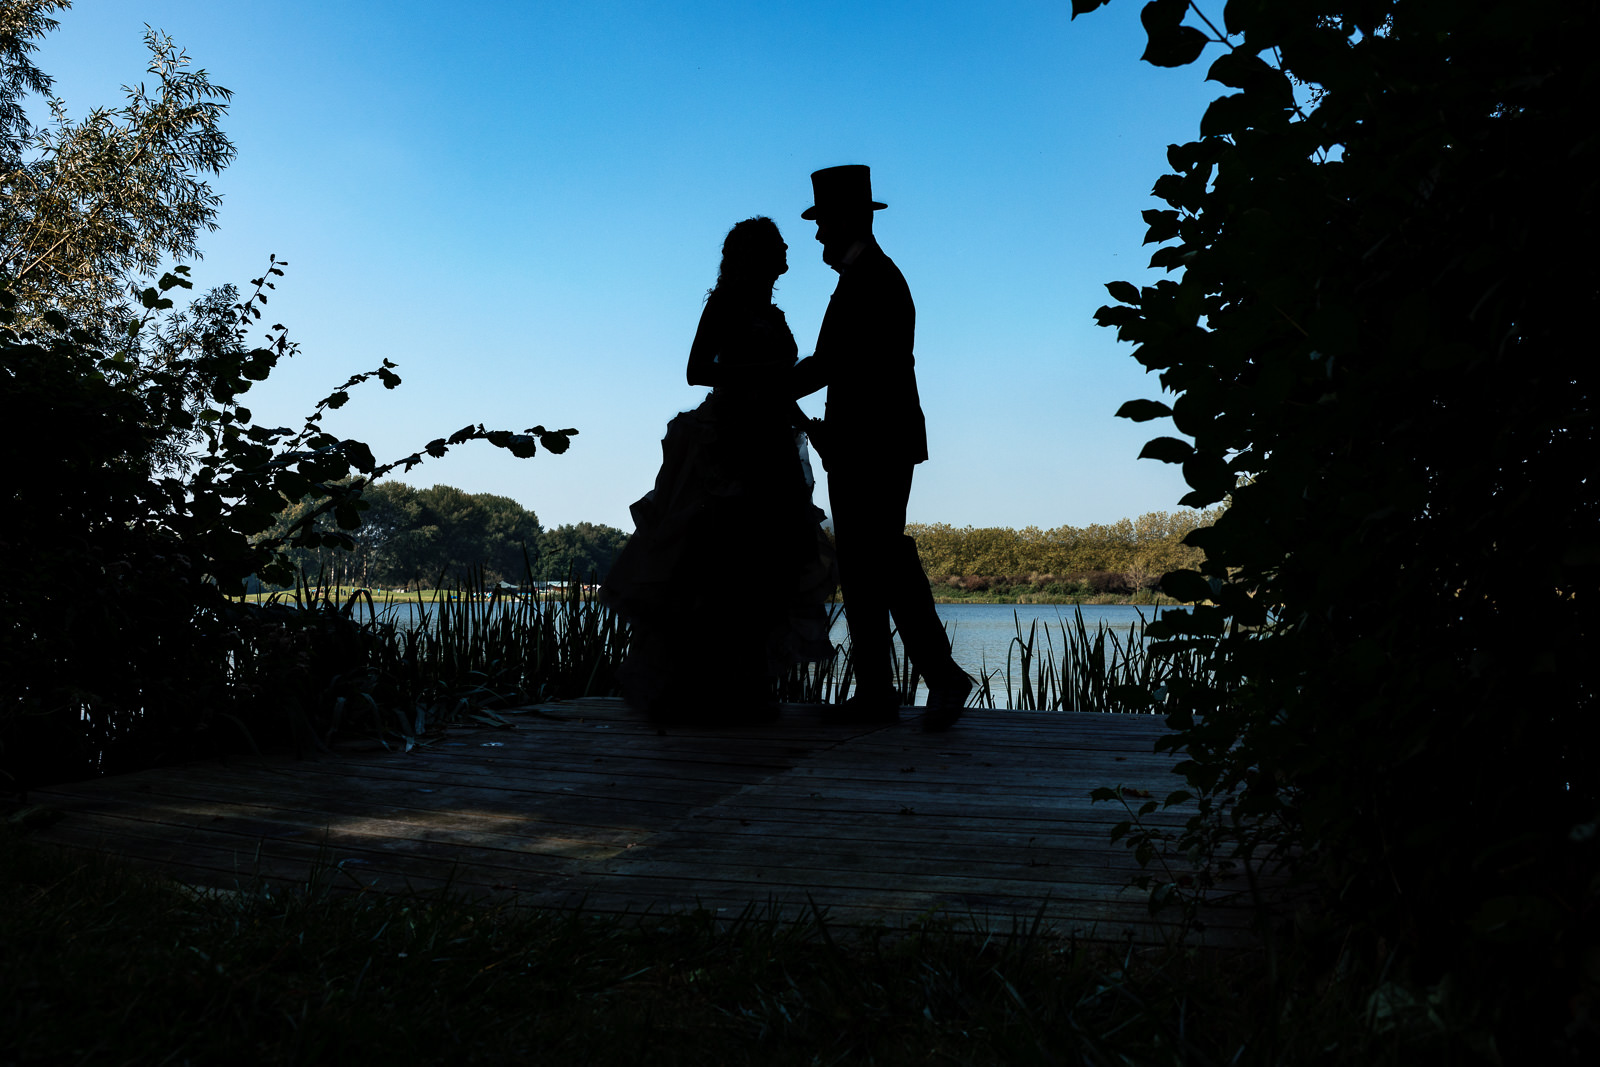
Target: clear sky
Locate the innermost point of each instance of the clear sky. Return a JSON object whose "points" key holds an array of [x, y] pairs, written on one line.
{"points": [[522, 205]]}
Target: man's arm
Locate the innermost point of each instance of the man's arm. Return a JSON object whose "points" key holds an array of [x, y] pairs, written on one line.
{"points": [[821, 368], [809, 375]]}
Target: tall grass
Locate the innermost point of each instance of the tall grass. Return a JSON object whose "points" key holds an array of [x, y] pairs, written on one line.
{"points": [[104, 963], [1071, 669], [463, 656], [469, 656]]}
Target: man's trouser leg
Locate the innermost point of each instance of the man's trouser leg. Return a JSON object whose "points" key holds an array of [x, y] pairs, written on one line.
{"points": [[881, 575], [864, 512], [911, 604]]}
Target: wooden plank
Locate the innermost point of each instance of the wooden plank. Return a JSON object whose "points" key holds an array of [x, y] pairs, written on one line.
{"points": [[1116, 926], [261, 820], [1052, 867], [266, 805], [246, 834], [723, 825], [1110, 919], [587, 801]]}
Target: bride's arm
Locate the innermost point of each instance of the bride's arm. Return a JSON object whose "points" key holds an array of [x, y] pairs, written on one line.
{"points": [[705, 368], [703, 352]]}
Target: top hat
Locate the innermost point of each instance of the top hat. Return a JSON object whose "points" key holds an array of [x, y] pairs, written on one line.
{"points": [[839, 189]]}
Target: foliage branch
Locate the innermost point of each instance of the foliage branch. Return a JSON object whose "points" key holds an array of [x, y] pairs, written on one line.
{"points": [[1374, 331], [123, 625]]}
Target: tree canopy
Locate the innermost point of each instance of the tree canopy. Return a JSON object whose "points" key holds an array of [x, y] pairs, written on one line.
{"points": [[92, 204], [411, 538]]}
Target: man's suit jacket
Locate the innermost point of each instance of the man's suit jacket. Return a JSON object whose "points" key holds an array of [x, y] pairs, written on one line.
{"points": [[864, 357]]}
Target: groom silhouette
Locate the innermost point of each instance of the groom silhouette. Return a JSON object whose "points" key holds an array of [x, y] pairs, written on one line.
{"points": [[870, 440]]}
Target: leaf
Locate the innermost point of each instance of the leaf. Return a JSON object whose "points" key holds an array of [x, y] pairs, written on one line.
{"points": [[1117, 316], [360, 456], [1161, 627], [556, 441], [1239, 69], [1160, 897], [1123, 292], [1187, 586], [154, 301], [1238, 112], [1163, 226], [1171, 258], [1197, 499], [1133, 696], [1512, 919], [1083, 7], [1168, 187], [1105, 792], [1167, 450], [1143, 410], [1169, 42], [523, 446], [1183, 157]]}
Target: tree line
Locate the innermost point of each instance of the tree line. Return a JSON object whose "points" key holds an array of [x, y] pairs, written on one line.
{"points": [[1123, 556], [409, 538]]}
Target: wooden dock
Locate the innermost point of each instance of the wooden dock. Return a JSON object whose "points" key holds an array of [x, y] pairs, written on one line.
{"points": [[584, 804]]}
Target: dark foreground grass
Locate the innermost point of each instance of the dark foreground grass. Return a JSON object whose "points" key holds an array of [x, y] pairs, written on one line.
{"points": [[103, 964]]}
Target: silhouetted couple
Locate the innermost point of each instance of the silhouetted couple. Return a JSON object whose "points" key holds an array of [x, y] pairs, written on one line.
{"points": [[727, 573]]}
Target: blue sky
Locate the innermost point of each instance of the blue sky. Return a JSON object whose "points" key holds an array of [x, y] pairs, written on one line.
{"points": [[521, 204]]}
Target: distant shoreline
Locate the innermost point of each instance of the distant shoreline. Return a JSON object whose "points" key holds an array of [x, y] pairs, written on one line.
{"points": [[428, 596], [1102, 600], [414, 596]]}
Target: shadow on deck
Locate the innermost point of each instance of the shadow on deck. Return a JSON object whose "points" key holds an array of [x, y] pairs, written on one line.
{"points": [[987, 824]]}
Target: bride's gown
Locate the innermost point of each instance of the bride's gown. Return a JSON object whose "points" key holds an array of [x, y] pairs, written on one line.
{"points": [[727, 572]]}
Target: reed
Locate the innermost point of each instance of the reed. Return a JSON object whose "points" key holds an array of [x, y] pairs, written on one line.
{"points": [[1071, 669], [824, 682], [471, 657], [463, 657]]}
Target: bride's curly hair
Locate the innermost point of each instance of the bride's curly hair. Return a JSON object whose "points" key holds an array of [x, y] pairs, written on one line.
{"points": [[743, 246]]}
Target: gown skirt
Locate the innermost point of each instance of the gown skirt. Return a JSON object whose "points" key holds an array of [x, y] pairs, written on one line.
{"points": [[726, 578]]}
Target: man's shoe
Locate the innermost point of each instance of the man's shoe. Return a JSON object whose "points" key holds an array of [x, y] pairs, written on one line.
{"points": [[945, 704], [864, 708]]}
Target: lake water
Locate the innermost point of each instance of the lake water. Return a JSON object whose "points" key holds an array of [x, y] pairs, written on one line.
{"points": [[982, 634]]}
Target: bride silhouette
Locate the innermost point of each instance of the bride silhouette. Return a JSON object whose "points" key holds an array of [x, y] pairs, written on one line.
{"points": [[726, 574]]}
